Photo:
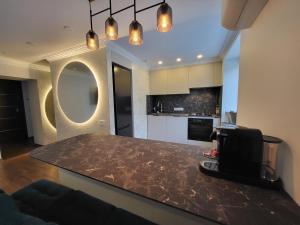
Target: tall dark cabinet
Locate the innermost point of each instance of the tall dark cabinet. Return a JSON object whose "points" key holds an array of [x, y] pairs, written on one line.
{"points": [[122, 100]]}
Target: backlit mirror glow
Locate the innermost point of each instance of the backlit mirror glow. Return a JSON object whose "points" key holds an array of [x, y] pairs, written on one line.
{"points": [[49, 108]]}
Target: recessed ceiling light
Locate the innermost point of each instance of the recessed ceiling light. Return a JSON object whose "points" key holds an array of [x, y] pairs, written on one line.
{"points": [[199, 56], [160, 62], [178, 60]]}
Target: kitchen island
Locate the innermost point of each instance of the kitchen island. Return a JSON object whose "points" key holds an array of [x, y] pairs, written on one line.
{"points": [[160, 181]]}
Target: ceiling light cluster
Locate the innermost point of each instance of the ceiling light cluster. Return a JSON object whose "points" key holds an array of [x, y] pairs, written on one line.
{"points": [[200, 56], [164, 24]]}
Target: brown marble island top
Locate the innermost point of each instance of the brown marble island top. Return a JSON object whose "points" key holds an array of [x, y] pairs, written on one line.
{"points": [[169, 173]]}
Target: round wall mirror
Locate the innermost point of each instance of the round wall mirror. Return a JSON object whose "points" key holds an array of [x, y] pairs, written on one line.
{"points": [[49, 108], [77, 92]]}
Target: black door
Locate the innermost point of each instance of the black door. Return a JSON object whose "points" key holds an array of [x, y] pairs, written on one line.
{"points": [[12, 115], [122, 100]]}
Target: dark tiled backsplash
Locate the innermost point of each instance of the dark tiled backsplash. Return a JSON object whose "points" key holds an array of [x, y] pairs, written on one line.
{"points": [[200, 100]]}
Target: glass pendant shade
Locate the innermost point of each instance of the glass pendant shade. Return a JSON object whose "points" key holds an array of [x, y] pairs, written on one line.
{"points": [[135, 33], [92, 40], [111, 29], [164, 18]]}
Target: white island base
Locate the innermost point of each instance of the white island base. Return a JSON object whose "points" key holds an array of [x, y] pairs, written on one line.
{"points": [[151, 210]]}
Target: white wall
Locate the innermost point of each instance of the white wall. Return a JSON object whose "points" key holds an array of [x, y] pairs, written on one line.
{"points": [[230, 86], [26, 100], [231, 70], [97, 63], [13, 69], [38, 88], [38, 83], [140, 89], [269, 83], [100, 63]]}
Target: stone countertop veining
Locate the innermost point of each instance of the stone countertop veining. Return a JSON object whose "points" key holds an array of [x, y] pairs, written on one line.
{"points": [[168, 173]]}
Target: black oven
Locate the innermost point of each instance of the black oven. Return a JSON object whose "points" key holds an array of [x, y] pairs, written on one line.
{"points": [[200, 129]]}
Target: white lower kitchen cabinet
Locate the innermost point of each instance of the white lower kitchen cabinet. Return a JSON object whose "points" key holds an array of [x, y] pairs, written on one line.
{"points": [[176, 129], [157, 128], [167, 128]]}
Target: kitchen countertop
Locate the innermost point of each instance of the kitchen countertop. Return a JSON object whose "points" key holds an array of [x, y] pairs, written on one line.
{"points": [[169, 173], [183, 115]]}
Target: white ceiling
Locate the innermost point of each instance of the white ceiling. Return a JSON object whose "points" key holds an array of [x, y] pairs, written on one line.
{"points": [[31, 29], [197, 30]]}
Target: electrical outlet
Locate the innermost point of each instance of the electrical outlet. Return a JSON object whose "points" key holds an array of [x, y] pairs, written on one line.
{"points": [[101, 122], [178, 109]]}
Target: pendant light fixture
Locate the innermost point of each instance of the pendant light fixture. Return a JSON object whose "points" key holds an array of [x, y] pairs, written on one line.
{"points": [[135, 30], [111, 26], [92, 40], [164, 24], [164, 18], [135, 33], [111, 29]]}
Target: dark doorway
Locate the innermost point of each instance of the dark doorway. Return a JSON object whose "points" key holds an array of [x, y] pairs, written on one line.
{"points": [[122, 100], [12, 114]]}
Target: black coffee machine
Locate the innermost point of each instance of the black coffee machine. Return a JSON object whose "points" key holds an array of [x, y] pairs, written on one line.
{"points": [[240, 157]]}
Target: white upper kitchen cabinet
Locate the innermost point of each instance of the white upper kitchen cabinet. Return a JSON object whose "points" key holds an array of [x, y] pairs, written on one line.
{"points": [[169, 81], [178, 81], [218, 74], [205, 75], [158, 82]]}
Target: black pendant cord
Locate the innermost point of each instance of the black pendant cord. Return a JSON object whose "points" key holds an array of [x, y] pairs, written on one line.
{"points": [[141, 10], [121, 10], [91, 17], [110, 10], [134, 3]]}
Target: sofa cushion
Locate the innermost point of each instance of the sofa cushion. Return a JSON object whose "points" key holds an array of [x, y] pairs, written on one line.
{"points": [[122, 217], [10, 215], [30, 220], [45, 187], [53, 202], [38, 197], [78, 208], [7, 204]]}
